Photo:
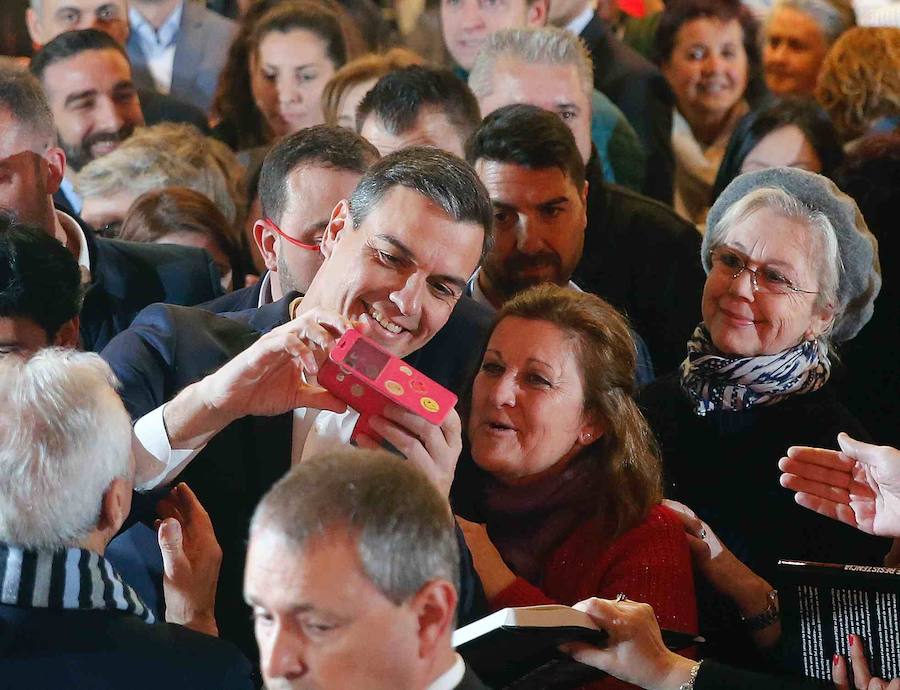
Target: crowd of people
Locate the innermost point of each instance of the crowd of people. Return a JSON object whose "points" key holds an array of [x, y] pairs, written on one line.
{"points": [[646, 244]]}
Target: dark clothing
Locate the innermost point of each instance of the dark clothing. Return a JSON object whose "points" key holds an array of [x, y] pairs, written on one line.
{"points": [[158, 107], [128, 276], [169, 348], [238, 300], [471, 682], [636, 86], [737, 454], [642, 258], [48, 649], [713, 676]]}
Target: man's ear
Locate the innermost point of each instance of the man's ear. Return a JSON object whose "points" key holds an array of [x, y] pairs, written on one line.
{"points": [[115, 507], [584, 193], [35, 30], [538, 12], [435, 609], [56, 168], [340, 222], [266, 241], [68, 334]]}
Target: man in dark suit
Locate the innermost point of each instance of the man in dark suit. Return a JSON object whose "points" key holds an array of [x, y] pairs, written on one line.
{"points": [[68, 618], [303, 178], [178, 47], [633, 83], [396, 258], [364, 548], [119, 278]]}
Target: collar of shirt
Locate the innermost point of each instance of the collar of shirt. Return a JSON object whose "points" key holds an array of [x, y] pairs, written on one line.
{"points": [[576, 26], [476, 293], [452, 677], [68, 190], [155, 41], [76, 235], [265, 290]]}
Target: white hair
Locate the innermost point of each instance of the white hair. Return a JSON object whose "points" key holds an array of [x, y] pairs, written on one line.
{"points": [[543, 46], [833, 17], [64, 436], [826, 248]]}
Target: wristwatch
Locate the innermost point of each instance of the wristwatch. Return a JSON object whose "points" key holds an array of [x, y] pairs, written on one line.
{"points": [[763, 620]]}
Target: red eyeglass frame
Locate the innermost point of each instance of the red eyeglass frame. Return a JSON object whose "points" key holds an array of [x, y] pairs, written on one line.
{"points": [[296, 243]]}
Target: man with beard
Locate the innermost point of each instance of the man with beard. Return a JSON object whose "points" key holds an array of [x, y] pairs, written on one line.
{"points": [[87, 79], [529, 162]]}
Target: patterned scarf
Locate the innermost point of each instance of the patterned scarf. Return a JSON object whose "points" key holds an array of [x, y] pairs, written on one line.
{"points": [[65, 579], [716, 382]]}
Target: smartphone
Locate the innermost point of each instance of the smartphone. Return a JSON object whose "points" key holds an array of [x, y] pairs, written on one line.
{"points": [[367, 378]]}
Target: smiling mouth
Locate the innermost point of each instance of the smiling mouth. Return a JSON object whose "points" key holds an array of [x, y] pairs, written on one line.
{"points": [[383, 321]]}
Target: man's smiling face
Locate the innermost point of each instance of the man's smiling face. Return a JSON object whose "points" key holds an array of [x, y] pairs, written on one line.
{"points": [[401, 272]]}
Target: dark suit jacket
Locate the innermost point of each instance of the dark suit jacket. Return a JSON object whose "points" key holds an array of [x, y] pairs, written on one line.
{"points": [[636, 86], [714, 676], [239, 300], [201, 47], [128, 276], [642, 258], [158, 107], [169, 347], [48, 649]]}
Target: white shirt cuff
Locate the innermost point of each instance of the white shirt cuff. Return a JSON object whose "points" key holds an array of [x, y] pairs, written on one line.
{"points": [[156, 463]]}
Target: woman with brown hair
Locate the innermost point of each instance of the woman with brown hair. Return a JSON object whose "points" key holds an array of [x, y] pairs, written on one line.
{"points": [[177, 215], [282, 57], [564, 472]]}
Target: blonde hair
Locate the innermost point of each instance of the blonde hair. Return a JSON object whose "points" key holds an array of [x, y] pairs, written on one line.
{"points": [[363, 68], [860, 79]]}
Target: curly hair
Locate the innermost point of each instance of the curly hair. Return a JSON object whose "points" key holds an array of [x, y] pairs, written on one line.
{"points": [[627, 476], [860, 79]]}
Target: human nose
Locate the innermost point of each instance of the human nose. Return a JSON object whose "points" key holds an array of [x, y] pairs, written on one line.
{"points": [[503, 390], [408, 297], [471, 15], [744, 288], [282, 656], [108, 116], [528, 239], [288, 92]]}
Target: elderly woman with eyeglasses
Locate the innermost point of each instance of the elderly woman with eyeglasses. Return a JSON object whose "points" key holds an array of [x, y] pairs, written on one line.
{"points": [[791, 269]]}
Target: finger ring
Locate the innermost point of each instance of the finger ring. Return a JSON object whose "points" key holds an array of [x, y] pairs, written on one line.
{"points": [[703, 533], [621, 597]]}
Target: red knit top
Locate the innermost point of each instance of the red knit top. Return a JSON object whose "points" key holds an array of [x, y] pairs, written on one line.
{"points": [[650, 563]]}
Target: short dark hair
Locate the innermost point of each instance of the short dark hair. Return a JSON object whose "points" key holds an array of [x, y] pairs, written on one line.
{"points": [[439, 176], [39, 279], [403, 527], [679, 12], [69, 44], [21, 94], [805, 113], [323, 145], [399, 96], [529, 136]]}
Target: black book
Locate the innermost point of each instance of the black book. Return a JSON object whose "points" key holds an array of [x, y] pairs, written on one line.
{"points": [[517, 648], [822, 603]]}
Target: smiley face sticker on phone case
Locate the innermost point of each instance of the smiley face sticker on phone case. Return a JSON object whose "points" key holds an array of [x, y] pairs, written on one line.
{"points": [[429, 404]]}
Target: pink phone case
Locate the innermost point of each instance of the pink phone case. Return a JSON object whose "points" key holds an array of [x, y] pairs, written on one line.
{"points": [[367, 378]]}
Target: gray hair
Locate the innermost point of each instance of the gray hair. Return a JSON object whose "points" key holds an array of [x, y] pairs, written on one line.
{"points": [[21, 94], [790, 207], [857, 267], [64, 436], [543, 46], [403, 527], [167, 155], [447, 181], [833, 17]]}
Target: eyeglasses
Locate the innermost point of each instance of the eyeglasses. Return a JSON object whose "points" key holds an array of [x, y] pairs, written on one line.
{"points": [[296, 243], [763, 279]]}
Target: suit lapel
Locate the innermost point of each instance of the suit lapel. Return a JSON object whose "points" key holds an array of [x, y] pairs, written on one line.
{"points": [[189, 48]]}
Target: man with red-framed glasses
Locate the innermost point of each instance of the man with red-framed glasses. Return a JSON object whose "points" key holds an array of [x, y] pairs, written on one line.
{"points": [[302, 179]]}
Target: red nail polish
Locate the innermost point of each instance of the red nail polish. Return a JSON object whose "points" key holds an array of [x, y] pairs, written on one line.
{"points": [[835, 659], [850, 640]]}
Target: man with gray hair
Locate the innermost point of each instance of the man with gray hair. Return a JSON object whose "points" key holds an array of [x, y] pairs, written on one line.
{"points": [[632, 244], [66, 475], [798, 34], [551, 68], [351, 574]]}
